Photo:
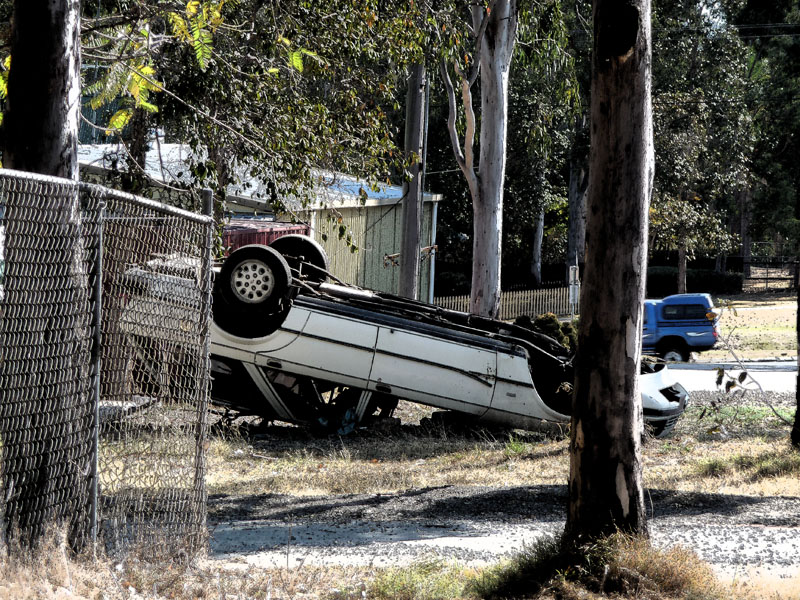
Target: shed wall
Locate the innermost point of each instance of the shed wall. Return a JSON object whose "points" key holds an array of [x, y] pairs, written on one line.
{"points": [[376, 232]]}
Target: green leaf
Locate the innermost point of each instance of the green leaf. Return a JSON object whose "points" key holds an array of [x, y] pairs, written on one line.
{"points": [[119, 120], [296, 60], [151, 108]]}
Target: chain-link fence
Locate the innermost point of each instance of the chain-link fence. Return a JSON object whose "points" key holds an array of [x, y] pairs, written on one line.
{"points": [[104, 378]]}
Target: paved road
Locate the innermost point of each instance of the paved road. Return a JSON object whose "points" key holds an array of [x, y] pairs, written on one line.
{"points": [[773, 376]]}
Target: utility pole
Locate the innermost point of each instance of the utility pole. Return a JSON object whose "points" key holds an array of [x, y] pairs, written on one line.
{"points": [[412, 190]]}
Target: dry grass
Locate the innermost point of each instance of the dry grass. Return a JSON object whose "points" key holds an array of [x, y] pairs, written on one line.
{"points": [[50, 573], [743, 454], [370, 463], [757, 330], [618, 568]]}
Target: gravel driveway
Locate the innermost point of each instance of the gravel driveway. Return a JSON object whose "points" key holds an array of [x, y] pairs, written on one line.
{"points": [[475, 525]]}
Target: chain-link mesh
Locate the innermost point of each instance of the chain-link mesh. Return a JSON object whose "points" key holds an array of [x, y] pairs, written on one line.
{"points": [[156, 290], [46, 410], [146, 412]]}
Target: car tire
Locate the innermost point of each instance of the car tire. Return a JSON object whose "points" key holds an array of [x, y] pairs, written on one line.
{"points": [[252, 292], [306, 257], [674, 354]]}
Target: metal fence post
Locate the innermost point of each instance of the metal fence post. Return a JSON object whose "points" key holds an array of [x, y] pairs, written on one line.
{"points": [[96, 366], [202, 420]]}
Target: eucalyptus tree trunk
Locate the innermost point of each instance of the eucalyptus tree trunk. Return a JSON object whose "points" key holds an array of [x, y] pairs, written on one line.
{"points": [[795, 435], [495, 30], [744, 198], [43, 106], [576, 231], [682, 269], [538, 238], [495, 61], [605, 481], [134, 178], [40, 134]]}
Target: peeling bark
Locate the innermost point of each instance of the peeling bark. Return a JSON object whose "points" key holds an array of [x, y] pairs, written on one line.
{"points": [[605, 485]]}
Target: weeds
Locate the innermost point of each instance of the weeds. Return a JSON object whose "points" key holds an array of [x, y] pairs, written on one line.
{"points": [[619, 566], [515, 447]]}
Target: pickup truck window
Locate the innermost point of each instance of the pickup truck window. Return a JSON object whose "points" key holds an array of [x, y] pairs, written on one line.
{"points": [[685, 311]]}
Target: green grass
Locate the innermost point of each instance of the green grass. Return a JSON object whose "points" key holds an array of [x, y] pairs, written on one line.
{"points": [[515, 447], [429, 580], [742, 416]]}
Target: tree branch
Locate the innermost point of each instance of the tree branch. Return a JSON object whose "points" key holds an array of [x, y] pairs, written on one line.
{"points": [[465, 159], [451, 115]]}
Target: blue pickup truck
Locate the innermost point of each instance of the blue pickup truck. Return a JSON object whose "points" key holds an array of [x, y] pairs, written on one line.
{"points": [[678, 325]]}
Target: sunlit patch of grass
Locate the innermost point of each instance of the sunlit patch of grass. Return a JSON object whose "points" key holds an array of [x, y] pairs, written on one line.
{"points": [[382, 465], [429, 580], [780, 462]]}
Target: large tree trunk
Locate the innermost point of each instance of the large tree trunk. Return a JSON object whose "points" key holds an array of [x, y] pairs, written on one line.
{"points": [[40, 135], [412, 190], [538, 237], [495, 61], [41, 121], [795, 435], [605, 481]]}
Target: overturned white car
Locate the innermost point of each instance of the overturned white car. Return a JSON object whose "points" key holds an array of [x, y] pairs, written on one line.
{"points": [[287, 345]]}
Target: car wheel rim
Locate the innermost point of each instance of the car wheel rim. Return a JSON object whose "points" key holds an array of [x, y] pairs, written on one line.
{"points": [[673, 356], [252, 281]]}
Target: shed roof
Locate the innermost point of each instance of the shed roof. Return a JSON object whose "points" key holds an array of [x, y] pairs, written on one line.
{"points": [[169, 164]]}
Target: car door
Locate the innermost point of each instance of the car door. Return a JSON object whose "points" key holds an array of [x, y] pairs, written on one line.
{"points": [[435, 366], [326, 345]]}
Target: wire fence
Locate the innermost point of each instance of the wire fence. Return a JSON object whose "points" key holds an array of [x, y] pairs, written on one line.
{"points": [[770, 275], [552, 298], [104, 379]]}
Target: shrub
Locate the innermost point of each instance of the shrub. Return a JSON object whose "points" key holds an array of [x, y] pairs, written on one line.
{"points": [[663, 281]]}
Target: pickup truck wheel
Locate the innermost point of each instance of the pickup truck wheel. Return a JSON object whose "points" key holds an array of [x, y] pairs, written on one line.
{"points": [[675, 355], [252, 293], [304, 255]]}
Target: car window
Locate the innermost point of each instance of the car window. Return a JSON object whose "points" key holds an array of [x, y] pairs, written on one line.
{"points": [[695, 311], [685, 311]]}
